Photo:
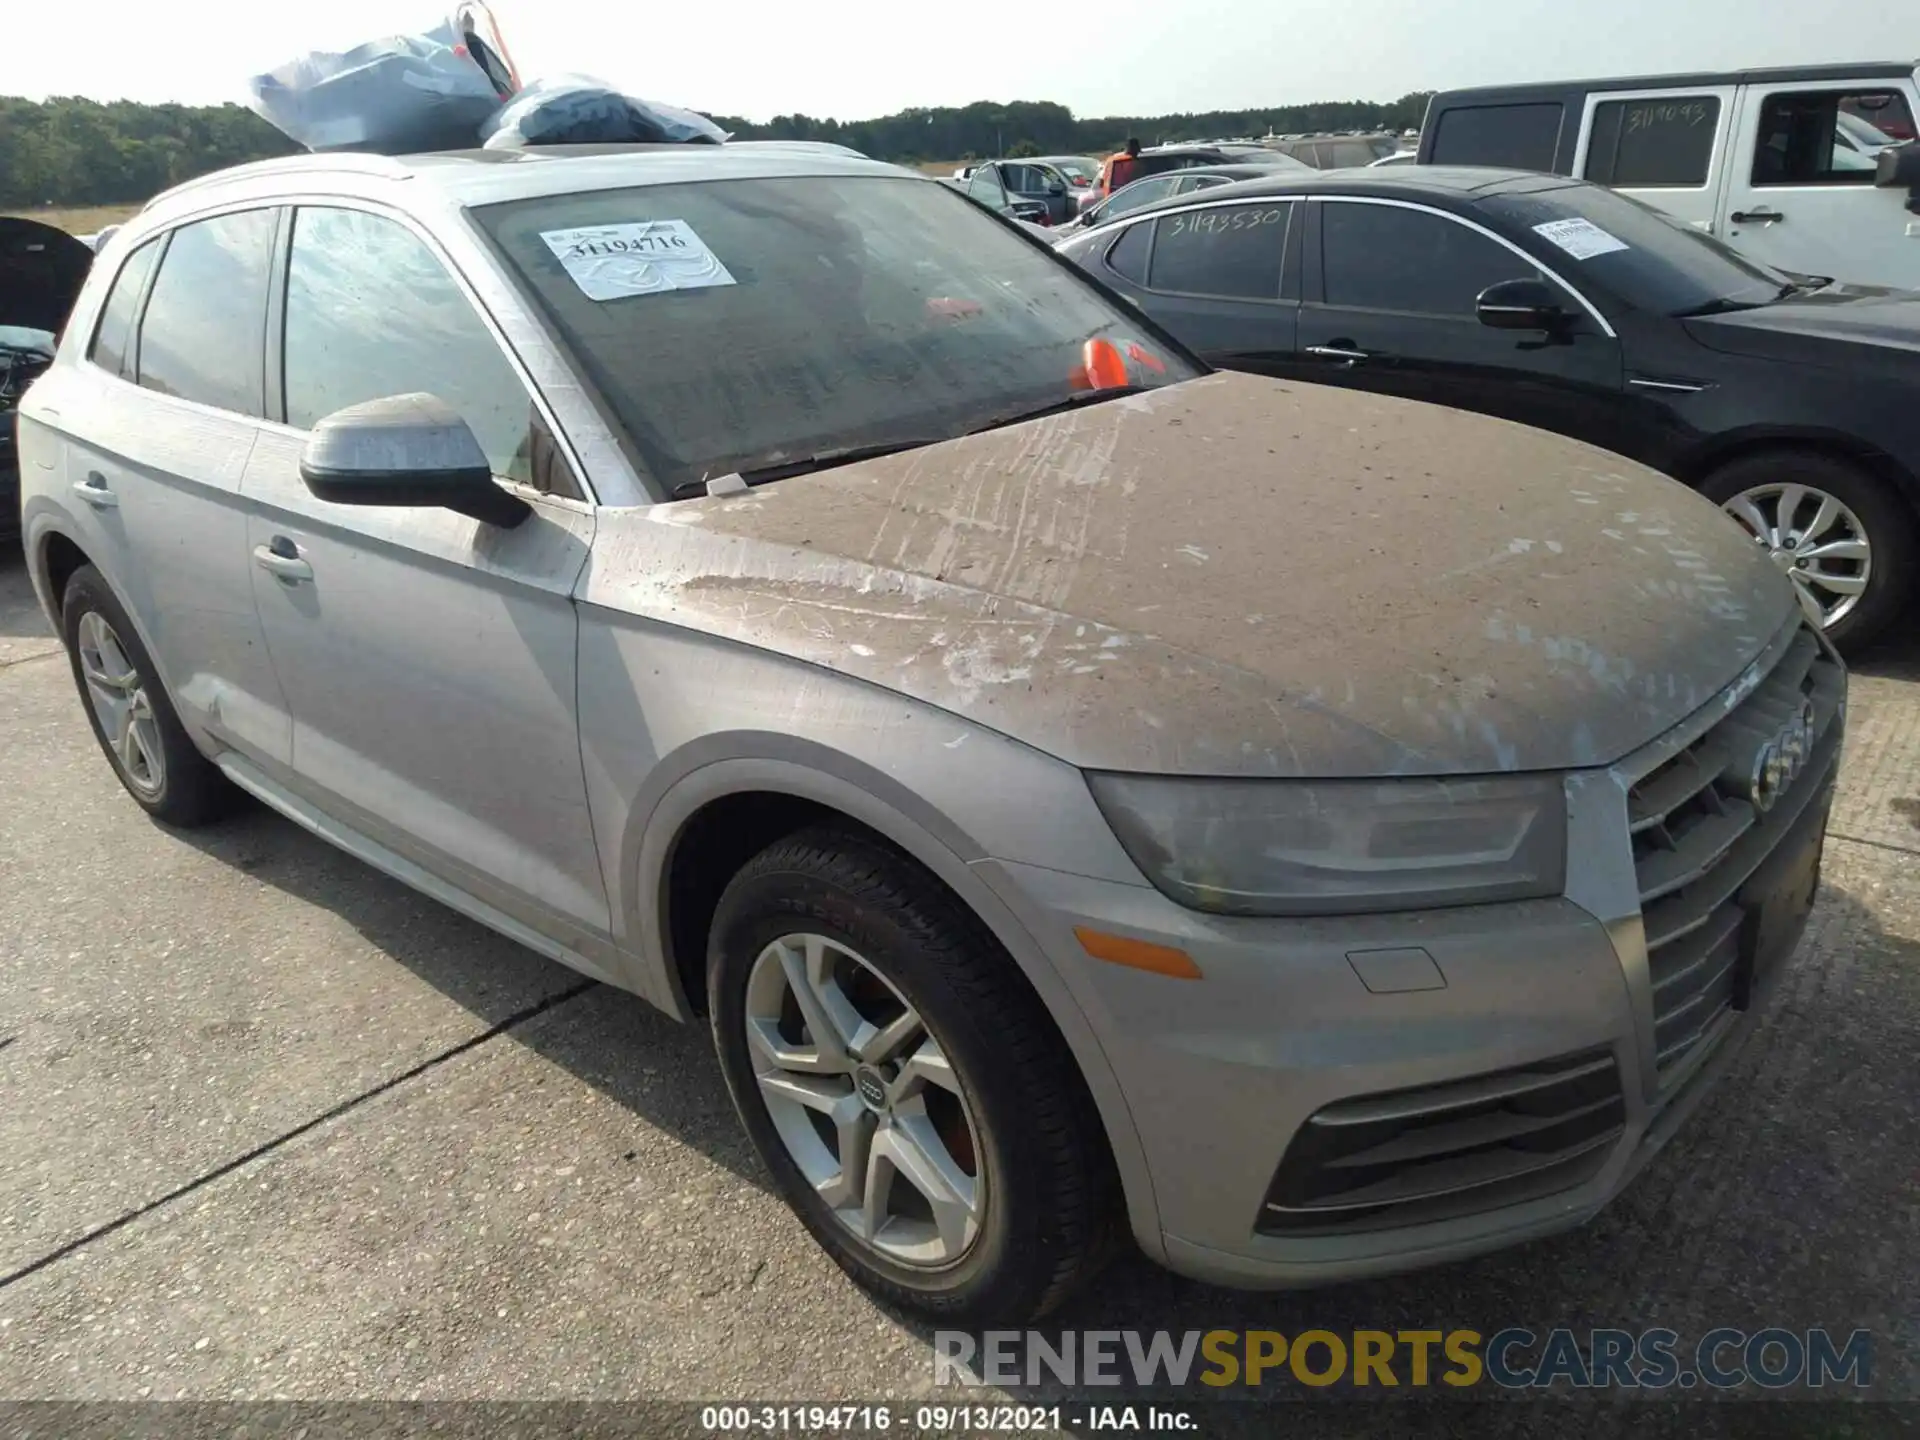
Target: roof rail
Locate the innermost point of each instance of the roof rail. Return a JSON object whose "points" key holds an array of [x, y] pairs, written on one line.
{"points": [[342, 162]]}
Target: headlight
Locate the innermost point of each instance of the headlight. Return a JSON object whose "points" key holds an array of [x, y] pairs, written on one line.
{"points": [[1284, 847]]}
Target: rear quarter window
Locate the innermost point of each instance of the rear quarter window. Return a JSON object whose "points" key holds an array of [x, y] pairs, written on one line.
{"points": [[1516, 137], [1665, 140]]}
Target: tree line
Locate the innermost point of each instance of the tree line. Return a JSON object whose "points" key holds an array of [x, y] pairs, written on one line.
{"points": [[70, 151]]}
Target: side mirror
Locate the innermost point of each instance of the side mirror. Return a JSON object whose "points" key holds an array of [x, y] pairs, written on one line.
{"points": [[411, 450], [1899, 167], [1521, 305]]}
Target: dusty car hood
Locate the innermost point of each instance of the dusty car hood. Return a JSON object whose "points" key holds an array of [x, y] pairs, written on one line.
{"points": [[41, 272], [1238, 577]]}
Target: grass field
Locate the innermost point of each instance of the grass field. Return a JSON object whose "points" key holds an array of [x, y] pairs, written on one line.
{"points": [[82, 221]]}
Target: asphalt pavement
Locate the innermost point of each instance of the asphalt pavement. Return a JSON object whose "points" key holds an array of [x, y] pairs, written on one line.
{"points": [[271, 1125]]}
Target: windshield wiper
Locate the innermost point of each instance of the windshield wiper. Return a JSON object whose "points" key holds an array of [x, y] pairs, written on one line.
{"points": [[1072, 402], [1806, 285], [805, 465]]}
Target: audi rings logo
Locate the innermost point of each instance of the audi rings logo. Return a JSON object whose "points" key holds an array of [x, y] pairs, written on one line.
{"points": [[1781, 760]]}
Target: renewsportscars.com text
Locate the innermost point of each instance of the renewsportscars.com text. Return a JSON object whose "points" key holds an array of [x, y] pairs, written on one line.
{"points": [[1655, 1359]]}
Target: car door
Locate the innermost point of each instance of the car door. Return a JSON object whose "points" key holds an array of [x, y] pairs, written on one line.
{"points": [[160, 430], [1802, 195], [986, 187], [1390, 295], [1665, 148], [428, 658], [1217, 277]]}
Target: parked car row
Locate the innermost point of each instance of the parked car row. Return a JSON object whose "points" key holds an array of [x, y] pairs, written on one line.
{"points": [[1082, 791], [1809, 168], [1785, 397]]}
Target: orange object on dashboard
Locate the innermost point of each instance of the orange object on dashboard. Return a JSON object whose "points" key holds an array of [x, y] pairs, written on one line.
{"points": [[1104, 366]]}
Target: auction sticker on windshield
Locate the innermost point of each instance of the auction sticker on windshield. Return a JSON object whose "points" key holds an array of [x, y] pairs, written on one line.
{"points": [[1582, 239], [611, 262]]}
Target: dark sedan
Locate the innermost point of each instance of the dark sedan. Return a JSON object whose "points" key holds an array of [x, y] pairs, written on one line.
{"points": [[1790, 399]]}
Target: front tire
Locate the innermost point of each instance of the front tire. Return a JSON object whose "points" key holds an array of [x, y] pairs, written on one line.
{"points": [[127, 706], [904, 1084], [1843, 536]]}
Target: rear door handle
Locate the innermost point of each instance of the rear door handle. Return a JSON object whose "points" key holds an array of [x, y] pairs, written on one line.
{"points": [[282, 558], [1339, 350], [94, 491], [1755, 217]]}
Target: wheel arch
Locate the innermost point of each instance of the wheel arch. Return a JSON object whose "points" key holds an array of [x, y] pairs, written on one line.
{"points": [[54, 557], [1697, 464], [717, 787]]}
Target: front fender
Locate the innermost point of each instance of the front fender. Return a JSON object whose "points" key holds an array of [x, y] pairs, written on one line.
{"points": [[719, 766]]}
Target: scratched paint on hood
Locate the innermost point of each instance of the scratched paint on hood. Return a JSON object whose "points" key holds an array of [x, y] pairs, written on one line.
{"points": [[1239, 577]]}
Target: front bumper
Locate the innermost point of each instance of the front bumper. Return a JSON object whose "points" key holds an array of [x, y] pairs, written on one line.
{"points": [[1282, 1036]]}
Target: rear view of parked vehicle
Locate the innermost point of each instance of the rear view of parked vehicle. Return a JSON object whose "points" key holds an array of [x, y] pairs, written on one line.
{"points": [[1789, 399], [761, 581]]}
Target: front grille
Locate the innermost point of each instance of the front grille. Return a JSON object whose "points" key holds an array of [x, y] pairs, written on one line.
{"points": [[1415, 1156], [1698, 837]]}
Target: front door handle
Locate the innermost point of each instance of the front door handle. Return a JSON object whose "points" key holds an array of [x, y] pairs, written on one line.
{"points": [[94, 491], [1756, 217], [282, 558], [1342, 350]]}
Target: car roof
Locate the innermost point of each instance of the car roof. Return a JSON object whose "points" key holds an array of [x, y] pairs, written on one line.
{"points": [[464, 178], [1460, 185], [1865, 70]]}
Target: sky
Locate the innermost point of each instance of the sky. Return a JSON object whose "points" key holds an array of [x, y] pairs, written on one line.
{"points": [[852, 59]]}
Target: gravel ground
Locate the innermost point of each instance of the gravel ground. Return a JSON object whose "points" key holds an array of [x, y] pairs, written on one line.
{"points": [[273, 1126]]}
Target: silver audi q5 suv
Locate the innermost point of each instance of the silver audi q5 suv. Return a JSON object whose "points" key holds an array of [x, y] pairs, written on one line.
{"points": [[1318, 833]]}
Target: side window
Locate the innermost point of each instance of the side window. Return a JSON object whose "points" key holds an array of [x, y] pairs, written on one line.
{"points": [[1127, 256], [1828, 138], [1514, 137], [1233, 251], [1665, 141], [203, 336], [1385, 257], [1190, 183], [372, 312], [112, 348], [1141, 192]]}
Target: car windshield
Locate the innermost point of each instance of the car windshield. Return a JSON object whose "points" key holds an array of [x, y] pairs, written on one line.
{"points": [[1080, 172], [1631, 249], [735, 326]]}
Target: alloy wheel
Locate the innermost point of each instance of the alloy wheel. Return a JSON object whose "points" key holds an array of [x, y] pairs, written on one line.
{"points": [[865, 1101], [1815, 539], [122, 705]]}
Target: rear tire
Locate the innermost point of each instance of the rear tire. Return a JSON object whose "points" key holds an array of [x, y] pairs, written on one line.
{"points": [[147, 746], [1751, 489], [1026, 1194]]}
